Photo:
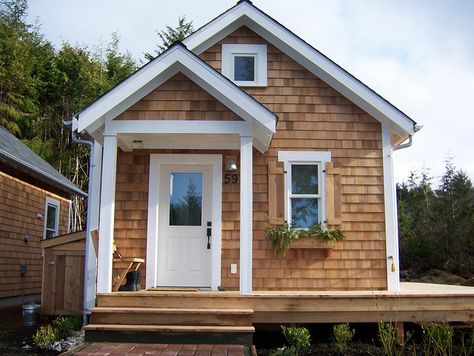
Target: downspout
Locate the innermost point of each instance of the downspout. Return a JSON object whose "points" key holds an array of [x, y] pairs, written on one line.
{"points": [[416, 128], [80, 141]]}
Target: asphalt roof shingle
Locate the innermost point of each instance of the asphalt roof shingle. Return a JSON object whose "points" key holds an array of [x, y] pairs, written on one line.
{"points": [[16, 152]]}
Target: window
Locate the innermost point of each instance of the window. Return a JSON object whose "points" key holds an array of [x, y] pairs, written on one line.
{"points": [[185, 199], [245, 65], [51, 218], [304, 187]]}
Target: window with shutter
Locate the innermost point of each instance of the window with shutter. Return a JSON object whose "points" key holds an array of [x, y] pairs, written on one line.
{"points": [[305, 191]]}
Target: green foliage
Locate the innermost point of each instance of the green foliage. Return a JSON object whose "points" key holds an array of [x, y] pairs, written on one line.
{"points": [[436, 227], [437, 339], [388, 337], [171, 35], [297, 338], [342, 334], [45, 335], [60, 328], [281, 236], [40, 87]]}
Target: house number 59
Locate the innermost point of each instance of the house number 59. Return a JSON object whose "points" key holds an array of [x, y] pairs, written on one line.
{"points": [[231, 178]]}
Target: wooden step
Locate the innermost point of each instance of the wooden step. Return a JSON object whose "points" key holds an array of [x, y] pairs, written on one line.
{"points": [[150, 299], [171, 316], [173, 328], [170, 334]]}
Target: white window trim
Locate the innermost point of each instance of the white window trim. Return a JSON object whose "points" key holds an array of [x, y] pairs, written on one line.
{"points": [[319, 158], [258, 51], [56, 203]]}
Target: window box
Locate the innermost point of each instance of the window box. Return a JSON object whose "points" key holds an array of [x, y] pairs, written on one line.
{"points": [[312, 243]]}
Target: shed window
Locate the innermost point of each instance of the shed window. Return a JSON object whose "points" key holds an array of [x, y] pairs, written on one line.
{"points": [[304, 187], [245, 64], [51, 218]]}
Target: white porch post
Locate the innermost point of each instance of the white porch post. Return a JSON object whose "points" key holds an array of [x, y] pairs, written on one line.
{"points": [[246, 214], [93, 201], [107, 213], [391, 218]]}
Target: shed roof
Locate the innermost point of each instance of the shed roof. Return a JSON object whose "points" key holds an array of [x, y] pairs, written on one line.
{"points": [[19, 155]]}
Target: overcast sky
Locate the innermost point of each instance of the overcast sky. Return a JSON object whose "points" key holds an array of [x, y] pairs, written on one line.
{"points": [[419, 55]]}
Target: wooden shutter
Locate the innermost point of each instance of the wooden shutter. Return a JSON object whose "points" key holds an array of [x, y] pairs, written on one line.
{"points": [[276, 193], [333, 196]]}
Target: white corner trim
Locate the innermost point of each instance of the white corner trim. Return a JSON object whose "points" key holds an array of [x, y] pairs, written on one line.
{"points": [[391, 216], [246, 214], [257, 51], [107, 215], [305, 157], [304, 54], [57, 205], [156, 160]]}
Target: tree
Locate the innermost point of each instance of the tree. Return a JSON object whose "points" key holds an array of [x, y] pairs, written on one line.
{"points": [[171, 35]]}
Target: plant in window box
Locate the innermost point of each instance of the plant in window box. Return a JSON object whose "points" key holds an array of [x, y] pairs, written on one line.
{"points": [[283, 236]]}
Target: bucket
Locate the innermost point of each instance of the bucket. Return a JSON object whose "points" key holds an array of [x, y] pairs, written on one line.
{"points": [[31, 314]]}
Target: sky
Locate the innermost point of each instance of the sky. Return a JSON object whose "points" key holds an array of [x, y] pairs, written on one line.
{"points": [[419, 55]]}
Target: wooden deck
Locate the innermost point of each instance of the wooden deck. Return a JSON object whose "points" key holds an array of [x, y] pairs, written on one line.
{"points": [[229, 313]]}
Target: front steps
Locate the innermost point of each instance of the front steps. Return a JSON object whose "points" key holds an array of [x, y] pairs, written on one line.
{"points": [[170, 317]]}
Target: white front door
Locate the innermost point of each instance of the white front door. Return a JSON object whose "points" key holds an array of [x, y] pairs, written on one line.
{"points": [[185, 210]]}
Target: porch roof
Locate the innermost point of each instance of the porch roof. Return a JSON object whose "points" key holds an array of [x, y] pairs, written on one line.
{"points": [[93, 119]]}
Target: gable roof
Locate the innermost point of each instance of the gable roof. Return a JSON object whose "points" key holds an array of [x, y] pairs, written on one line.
{"points": [[176, 59], [15, 153], [244, 13]]}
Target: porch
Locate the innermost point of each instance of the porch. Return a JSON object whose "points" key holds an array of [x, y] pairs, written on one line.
{"points": [[228, 317]]}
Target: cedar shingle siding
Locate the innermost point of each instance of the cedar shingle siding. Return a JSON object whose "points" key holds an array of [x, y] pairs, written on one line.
{"points": [[312, 116]]}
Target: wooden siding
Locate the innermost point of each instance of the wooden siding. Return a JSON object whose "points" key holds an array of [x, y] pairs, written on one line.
{"points": [[312, 116], [179, 98], [20, 202], [63, 274]]}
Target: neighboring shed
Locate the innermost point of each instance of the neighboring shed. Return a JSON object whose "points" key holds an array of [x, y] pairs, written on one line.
{"points": [[35, 203]]}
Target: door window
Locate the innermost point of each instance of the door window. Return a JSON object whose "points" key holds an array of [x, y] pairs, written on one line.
{"points": [[185, 199]]}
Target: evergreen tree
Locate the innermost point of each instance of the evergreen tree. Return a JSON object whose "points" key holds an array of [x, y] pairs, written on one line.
{"points": [[171, 35]]}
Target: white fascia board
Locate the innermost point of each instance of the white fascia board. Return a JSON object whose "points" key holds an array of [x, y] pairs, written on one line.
{"points": [[178, 59], [115, 127], [304, 54]]}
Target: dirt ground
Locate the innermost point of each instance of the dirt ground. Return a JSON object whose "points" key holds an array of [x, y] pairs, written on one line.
{"points": [[15, 339]]}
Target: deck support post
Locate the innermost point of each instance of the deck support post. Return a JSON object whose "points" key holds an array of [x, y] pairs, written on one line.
{"points": [[93, 202], [400, 332], [246, 214], [107, 214], [391, 219]]}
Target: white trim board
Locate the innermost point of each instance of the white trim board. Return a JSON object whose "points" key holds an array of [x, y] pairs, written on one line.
{"points": [[156, 160], [246, 14], [178, 59]]}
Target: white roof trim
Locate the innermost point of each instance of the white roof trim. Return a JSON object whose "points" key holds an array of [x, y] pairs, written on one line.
{"points": [[174, 60], [282, 38]]}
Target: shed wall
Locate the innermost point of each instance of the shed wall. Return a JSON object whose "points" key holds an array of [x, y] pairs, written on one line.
{"points": [[20, 202]]}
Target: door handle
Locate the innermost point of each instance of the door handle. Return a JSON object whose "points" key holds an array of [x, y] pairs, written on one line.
{"points": [[209, 233]]}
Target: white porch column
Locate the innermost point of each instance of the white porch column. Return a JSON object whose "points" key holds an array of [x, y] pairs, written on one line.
{"points": [[107, 213], [391, 217], [246, 214], [93, 201]]}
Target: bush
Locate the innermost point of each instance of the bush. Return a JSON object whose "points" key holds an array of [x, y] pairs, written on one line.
{"points": [[437, 339], [342, 335], [388, 337], [297, 338], [45, 336], [60, 328], [285, 351]]}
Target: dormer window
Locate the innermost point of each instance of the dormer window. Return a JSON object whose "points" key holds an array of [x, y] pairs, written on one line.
{"points": [[245, 64]]}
